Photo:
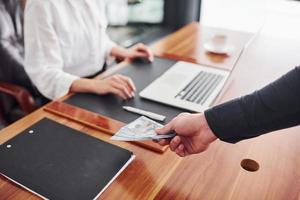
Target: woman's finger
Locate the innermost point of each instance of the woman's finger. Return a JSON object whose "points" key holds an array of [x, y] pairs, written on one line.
{"points": [[143, 48], [118, 93], [138, 54], [122, 88], [120, 83], [129, 82]]}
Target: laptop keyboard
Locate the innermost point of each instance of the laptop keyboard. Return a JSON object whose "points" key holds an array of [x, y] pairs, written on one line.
{"points": [[200, 88]]}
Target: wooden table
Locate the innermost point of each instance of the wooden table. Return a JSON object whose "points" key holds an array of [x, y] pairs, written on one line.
{"points": [[216, 173]]}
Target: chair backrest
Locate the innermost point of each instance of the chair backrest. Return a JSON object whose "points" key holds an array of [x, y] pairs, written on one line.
{"points": [[12, 51], [2, 120]]}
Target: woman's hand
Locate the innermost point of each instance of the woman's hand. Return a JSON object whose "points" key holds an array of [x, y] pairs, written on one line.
{"points": [[119, 85], [137, 51]]}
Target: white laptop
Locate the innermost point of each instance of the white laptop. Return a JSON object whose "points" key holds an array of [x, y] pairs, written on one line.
{"points": [[186, 85]]}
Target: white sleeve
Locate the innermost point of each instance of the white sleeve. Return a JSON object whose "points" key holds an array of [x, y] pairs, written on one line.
{"points": [[108, 46], [43, 58]]}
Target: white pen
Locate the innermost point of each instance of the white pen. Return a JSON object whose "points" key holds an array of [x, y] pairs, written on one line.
{"points": [[145, 113]]}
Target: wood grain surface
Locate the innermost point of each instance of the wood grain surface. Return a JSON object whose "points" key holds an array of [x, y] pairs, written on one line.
{"points": [[96, 121], [188, 43], [216, 173]]}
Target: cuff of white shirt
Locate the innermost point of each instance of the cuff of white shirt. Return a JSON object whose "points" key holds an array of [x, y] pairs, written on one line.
{"points": [[109, 45], [66, 82]]}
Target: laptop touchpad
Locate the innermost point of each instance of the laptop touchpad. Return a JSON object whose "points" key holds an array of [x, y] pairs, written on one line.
{"points": [[174, 80]]}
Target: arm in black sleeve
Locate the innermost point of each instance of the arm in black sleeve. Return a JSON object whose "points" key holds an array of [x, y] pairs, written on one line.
{"points": [[274, 107]]}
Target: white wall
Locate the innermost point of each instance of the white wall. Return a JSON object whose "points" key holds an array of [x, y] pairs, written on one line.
{"points": [[279, 18], [246, 15]]}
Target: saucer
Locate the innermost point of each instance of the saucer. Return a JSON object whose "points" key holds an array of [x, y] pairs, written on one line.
{"points": [[226, 49]]}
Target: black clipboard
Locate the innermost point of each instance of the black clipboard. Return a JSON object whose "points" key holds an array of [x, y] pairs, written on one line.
{"points": [[57, 162]]}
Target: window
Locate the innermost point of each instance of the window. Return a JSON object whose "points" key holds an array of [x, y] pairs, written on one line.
{"points": [[279, 18]]}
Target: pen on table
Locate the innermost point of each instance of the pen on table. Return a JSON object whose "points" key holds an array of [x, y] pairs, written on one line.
{"points": [[149, 114]]}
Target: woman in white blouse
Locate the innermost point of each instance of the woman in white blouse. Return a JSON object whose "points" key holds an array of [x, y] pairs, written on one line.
{"points": [[66, 40]]}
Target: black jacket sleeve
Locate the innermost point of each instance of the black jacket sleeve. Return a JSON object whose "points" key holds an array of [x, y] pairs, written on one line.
{"points": [[274, 107]]}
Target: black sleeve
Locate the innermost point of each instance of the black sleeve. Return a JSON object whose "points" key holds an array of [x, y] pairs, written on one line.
{"points": [[274, 107]]}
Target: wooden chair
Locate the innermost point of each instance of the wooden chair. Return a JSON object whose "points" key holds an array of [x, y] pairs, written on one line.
{"points": [[24, 100]]}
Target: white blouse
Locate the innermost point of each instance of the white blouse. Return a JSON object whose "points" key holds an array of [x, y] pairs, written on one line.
{"points": [[64, 40]]}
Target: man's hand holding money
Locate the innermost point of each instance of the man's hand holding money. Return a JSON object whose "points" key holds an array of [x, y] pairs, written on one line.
{"points": [[193, 135]]}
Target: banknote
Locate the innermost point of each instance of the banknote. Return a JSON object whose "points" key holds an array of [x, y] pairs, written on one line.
{"points": [[142, 128]]}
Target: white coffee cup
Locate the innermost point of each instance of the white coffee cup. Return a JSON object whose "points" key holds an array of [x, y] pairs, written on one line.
{"points": [[219, 41], [219, 44]]}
